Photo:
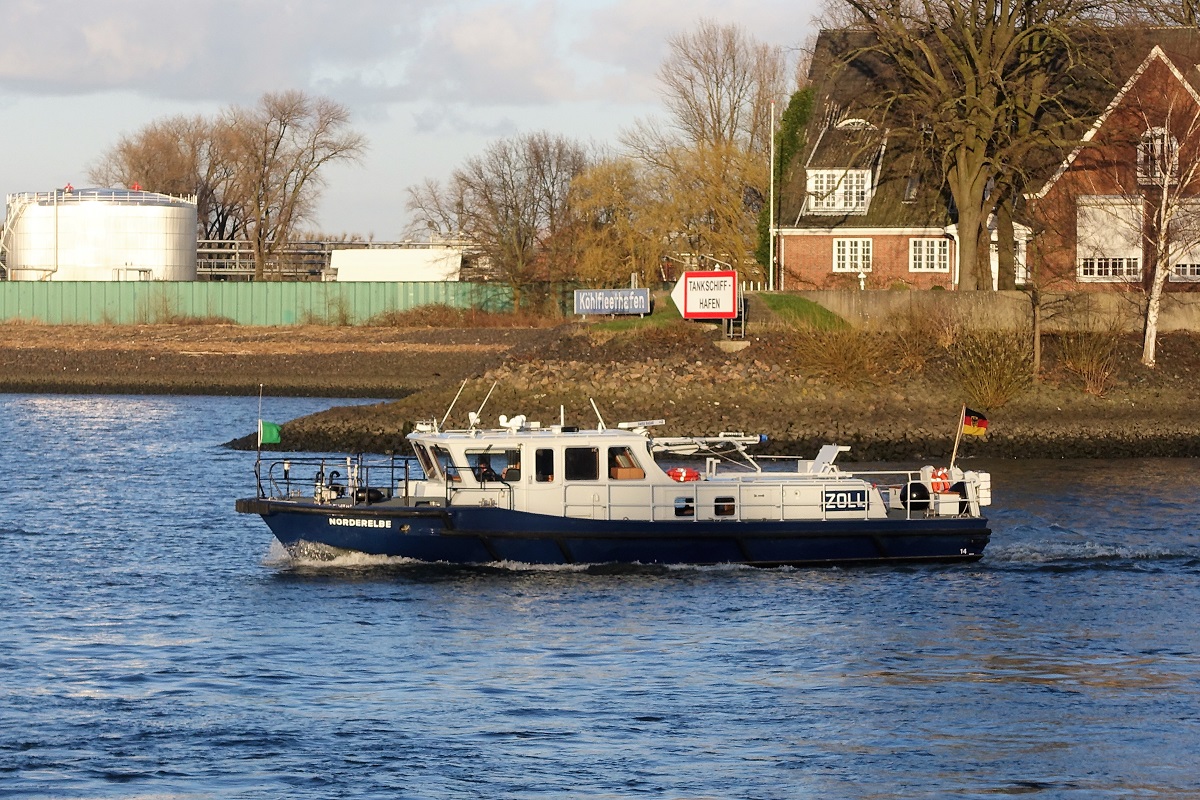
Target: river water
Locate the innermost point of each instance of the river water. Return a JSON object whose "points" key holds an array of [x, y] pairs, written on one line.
{"points": [[155, 644]]}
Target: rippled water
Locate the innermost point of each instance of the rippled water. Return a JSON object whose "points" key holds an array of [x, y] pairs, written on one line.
{"points": [[153, 643]]}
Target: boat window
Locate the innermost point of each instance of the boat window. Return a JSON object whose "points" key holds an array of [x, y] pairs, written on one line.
{"points": [[495, 465], [427, 465], [685, 507], [446, 463], [543, 465], [622, 466], [512, 466], [582, 463], [724, 506], [482, 467]]}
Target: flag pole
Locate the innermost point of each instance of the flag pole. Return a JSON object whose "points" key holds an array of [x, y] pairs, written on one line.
{"points": [[962, 415], [258, 441]]}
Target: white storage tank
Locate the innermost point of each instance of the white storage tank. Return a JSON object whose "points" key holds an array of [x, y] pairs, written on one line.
{"points": [[100, 235]]}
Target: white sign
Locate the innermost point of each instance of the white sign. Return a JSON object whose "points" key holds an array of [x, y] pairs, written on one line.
{"points": [[706, 295], [612, 301]]}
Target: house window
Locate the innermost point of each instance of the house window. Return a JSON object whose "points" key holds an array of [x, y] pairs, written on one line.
{"points": [[928, 255], [1185, 272], [851, 255], [1109, 239], [1110, 269], [833, 191], [1158, 157]]}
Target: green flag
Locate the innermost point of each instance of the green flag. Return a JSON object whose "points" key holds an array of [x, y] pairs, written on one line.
{"points": [[268, 433]]}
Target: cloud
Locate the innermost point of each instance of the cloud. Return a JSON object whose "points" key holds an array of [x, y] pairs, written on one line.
{"points": [[224, 50], [507, 52]]}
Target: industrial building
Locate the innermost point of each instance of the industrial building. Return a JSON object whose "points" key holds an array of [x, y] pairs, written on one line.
{"points": [[99, 235]]}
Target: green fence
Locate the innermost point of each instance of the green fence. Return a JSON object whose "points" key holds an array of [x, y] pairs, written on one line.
{"points": [[271, 303]]}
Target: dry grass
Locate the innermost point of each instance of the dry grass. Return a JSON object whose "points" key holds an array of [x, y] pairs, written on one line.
{"points": [[443, 316]]}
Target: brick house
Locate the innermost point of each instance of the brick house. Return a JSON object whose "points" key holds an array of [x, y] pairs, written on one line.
{"points": [[1097, 215], [863, 210]]}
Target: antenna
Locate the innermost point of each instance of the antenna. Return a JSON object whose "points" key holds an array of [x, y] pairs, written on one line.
{"points": [[485, 399], [452, 402], [602, 426]]}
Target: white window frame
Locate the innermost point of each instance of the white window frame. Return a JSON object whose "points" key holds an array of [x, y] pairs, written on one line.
{"points": [[1185, 272], [1109, 239], [1158, 152], [852, 255], [1115, 269], [1185, 243], [929, 255], [839, 191]]}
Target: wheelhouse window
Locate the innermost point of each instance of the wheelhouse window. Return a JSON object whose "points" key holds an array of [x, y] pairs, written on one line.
{"points": [[495, 465], [851, 255], [928, 255], [581, 463], [1158, 158], [622, 466], [543, 465], [839, 191], [428, 466], [445, 463]]}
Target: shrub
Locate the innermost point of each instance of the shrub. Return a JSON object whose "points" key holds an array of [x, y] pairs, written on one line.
{"points": [[991, 367], [843, 356], [924, 334], [1091, 355]]}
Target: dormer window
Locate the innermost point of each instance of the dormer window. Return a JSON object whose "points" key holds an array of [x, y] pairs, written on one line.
{"points": [[1158, 158], [839, 191], [855, 124]]}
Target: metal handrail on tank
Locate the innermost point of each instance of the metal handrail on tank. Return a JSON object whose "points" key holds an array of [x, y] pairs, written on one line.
{"points": [[135, 196]]}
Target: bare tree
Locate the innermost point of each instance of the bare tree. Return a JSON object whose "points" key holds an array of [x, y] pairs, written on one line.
{"points": [[1182, 12], [511, 203], [711, 150], [718, 86], [1169, 169], [180, 156], [256, 172], [279, 148], [974, 80]]}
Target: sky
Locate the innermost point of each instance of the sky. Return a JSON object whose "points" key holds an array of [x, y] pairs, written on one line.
{"points": [[429, 84]]}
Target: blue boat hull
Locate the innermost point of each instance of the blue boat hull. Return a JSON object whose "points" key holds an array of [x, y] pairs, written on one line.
{"points": [[480, 535]]}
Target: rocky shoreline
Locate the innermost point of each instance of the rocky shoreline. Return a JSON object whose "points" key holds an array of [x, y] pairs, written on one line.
{"points": [[693, 385], [797, 416]]}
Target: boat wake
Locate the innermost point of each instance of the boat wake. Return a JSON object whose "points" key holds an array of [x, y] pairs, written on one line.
{"points": [[313, 557], [1090, 555]]}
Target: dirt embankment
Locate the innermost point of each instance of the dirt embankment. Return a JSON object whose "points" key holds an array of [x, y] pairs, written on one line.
{"points": [[683, 378], [229, 359]]}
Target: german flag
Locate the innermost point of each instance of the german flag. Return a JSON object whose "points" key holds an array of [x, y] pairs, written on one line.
{"points": [[974, 423]]}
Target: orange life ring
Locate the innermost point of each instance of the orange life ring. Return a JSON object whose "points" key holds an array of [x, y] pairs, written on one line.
{"points": [[939, 479], [683, 474]]}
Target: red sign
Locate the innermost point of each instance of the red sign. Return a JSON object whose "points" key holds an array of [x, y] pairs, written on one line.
{"points": [[707, 295]]}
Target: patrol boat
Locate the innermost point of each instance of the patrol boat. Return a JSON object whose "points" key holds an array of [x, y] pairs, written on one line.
{"points": [[525, 493]]}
